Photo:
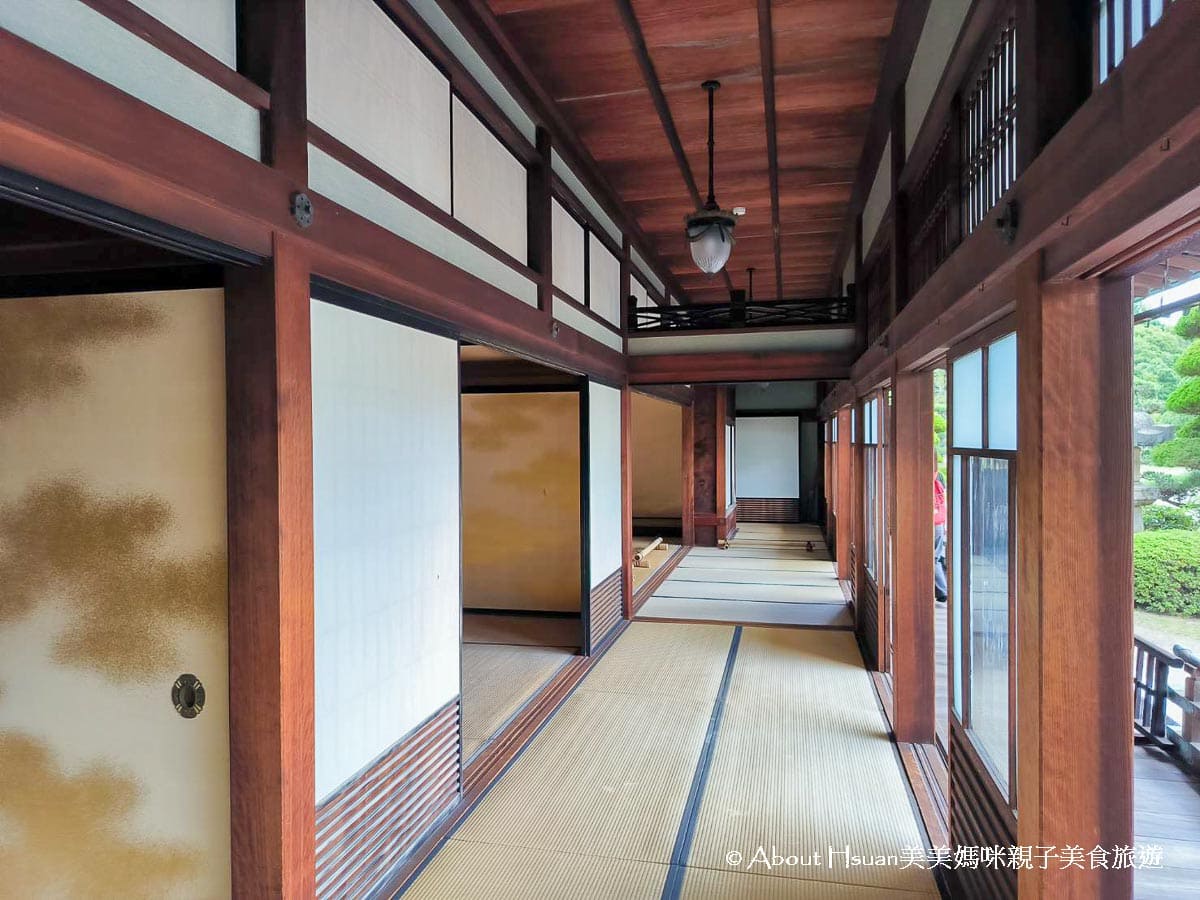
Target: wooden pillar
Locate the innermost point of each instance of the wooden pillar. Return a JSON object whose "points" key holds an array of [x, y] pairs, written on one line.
{"points": [[1074, 577], [704, 463], [627, 502], [269, 377], [271, 53], [845, 494], [689, 474], [914, 713], [539, 202]]}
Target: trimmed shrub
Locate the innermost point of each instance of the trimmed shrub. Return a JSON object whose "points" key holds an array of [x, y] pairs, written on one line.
{"points": [[1188, 363], [1166, 572], [1164, 518], [1179, 451]]}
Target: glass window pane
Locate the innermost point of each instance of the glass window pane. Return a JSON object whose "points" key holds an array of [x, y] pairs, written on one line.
{"points": [[1002, 393], [987, 576], [967, 403]]}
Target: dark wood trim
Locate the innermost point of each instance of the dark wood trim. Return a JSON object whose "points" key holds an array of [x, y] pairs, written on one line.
{"points": [[702, 368], [769, 509], [369, 824], [652, 584], [270, 511], [844, 495], [136, 20], [766, 46], [897, 60], [688, 474], [627, 598], [541, 216], [606, 609], [979, 817], [350, 158], [585, 516], [773, 329], [679, 394]]}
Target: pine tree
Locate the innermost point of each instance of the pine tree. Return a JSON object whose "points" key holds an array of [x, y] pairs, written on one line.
{"points": [[1184, 448]]}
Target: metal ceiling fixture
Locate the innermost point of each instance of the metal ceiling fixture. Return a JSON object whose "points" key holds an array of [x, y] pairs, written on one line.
{"points": [[710, 229]]}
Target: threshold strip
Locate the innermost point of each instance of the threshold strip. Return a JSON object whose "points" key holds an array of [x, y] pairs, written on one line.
{"points": [[691, 810]]}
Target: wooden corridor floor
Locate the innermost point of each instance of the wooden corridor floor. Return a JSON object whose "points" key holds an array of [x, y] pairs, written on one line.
{"points": [[685, 745], [766, 576]]}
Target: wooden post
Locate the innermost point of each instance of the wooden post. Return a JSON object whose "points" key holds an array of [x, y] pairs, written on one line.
{"points": [[845, 494], [271, 53], [704, 461], [914, 711], [269, 376], [689, 471], [1074, 577], [539, 202], [626, 502]]}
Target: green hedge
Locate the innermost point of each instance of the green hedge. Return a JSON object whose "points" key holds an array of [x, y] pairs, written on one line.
{"points": [[1163, 518], [1166, 572]]}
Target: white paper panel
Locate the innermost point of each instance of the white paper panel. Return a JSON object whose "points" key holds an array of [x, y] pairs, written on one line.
{"points": [[642, 299], [604, 271], [836, 338], [768, 456], [385, 534], [372, 89], [604, 476], [559, 166], [642, 266], [879, 198], [436, 19], [209, 24], [489, 185], [83, 37], [567, 236], [730, 465], [574, 317], [942, 25], [343, 185]]}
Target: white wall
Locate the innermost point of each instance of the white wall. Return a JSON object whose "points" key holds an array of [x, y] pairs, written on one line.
{"points": [[376, 92], [604, 480], [95, 43], [567, 237], [490, 194], [209, 24], [604, 273], [938, 36], [768, 456], [879, 198], [386, 535], [777, 395]]}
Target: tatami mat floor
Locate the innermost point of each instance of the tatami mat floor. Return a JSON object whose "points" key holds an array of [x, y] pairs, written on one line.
{"points": [[767, 575], [688, 743]]}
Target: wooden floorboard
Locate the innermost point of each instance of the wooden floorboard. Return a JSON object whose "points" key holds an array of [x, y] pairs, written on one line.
{"points": [[1166, 814]]}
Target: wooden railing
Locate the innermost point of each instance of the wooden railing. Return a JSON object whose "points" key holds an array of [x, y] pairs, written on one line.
{"points": [[1154, 700], [782, 314]]}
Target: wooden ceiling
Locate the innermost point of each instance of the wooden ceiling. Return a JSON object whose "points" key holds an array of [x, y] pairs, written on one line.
{"points": [[626, 75]]}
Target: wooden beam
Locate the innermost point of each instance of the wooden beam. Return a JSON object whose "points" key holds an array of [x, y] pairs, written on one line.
{"points": [[268, 363], [539, 202], [701, 368], [627, 503], [914, 711], [766, 49], [1074, 577]]}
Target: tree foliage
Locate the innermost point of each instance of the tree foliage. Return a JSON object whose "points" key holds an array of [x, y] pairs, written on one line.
{"points": [[1166, 572], [1184, 398], [1156, 350]]}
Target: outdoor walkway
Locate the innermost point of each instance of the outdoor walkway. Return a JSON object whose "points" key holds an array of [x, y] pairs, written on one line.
{"points": [[1166, 813], [685, 750], [768, 575]]}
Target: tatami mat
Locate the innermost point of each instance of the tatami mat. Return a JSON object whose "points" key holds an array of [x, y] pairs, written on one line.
{"points": [[768, 565], [804, 762], [469, 871], [607, 777], [751, 576], [799, 615], [533, 631], [766, 593], [657, 559], [653, 658], [740, 551], [705, 884], [497, 679]]}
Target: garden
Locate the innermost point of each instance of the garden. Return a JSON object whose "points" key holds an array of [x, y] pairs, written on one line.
{"points": [[1167, 424]]}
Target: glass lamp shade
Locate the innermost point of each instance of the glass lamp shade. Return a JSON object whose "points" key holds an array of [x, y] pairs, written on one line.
{"points": [[710, 238]]}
